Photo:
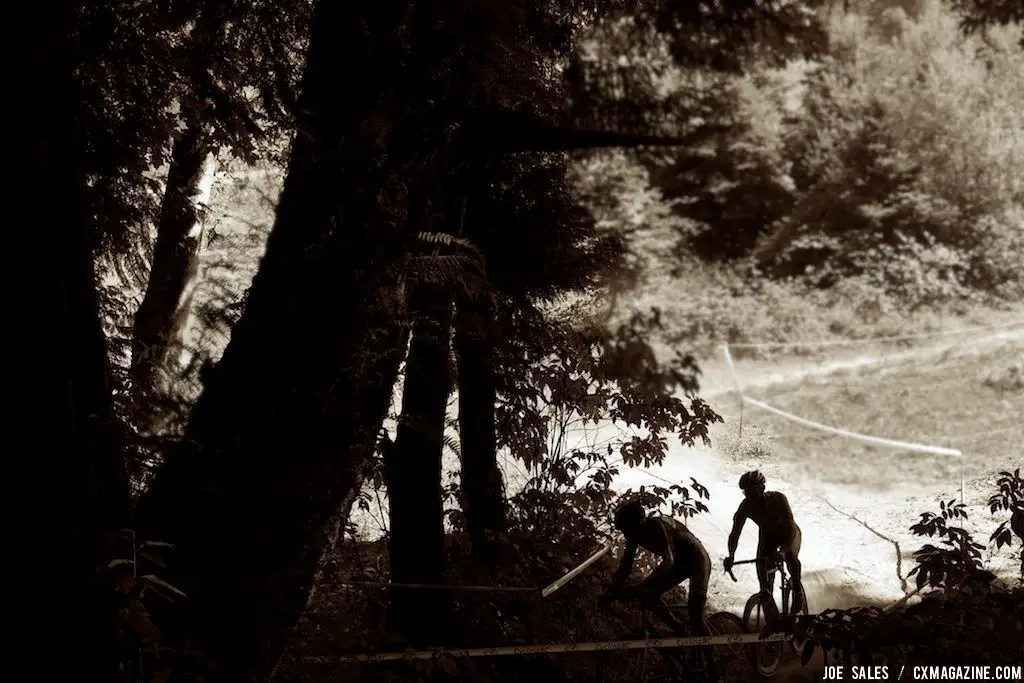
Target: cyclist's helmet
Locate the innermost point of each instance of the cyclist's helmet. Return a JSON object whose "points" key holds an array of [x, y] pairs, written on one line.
{"points": [[751, 480], [629, 515]]}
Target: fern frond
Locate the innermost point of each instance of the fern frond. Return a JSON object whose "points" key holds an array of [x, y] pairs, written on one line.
{"points": [[452, 443], [447, 240]]}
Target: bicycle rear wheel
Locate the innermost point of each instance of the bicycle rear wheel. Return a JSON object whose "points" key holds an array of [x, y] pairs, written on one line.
{"points": [[766, 656], [654, 665], [732, 660]]}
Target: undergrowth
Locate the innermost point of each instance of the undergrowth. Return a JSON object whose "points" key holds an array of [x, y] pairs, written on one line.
{"points": [[966, 616]]}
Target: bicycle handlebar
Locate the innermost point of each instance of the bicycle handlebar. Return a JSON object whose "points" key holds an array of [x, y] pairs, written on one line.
{"points": [[777, 563]]}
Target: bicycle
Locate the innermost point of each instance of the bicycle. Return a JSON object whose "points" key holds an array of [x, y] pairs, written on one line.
{"points": [[728, 662], [768, 656]]}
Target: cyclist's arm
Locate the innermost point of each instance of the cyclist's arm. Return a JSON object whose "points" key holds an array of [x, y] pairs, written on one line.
{"points": [[625, 567], [738, 520]]}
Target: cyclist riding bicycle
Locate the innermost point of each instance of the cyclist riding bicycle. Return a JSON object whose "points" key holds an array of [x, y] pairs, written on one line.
{"points": [[683, 557], [778, 535]]}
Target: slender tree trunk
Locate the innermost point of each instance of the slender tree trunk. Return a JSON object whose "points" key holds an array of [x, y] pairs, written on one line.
{"points": [[175, 257], [179, 353], [159, 322], [482, 484], [412, 468], [78, 487], [275, 442]]}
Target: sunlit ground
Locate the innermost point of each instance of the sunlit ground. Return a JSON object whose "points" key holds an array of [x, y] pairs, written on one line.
{"points": [[935, 396]]}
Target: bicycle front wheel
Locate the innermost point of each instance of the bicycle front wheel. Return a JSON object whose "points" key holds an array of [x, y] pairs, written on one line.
{"points": [[765, 656], [732, 660]]}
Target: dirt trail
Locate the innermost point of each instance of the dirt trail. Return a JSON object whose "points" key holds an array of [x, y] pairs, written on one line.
{"points": [[844, 563], [718, 379]]}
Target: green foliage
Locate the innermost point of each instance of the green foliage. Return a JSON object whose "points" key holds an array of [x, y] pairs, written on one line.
{"points": [[978, 15], [135, 580], [967, 618], [591, 374], [955, 567], [631, 75], [731, 190], [894, 183], [1011, 499], [838, 197]]}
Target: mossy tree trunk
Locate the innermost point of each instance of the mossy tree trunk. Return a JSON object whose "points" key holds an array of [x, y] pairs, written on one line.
{"points": [[77, 497], [412, 466], [275, 442], [482, 486], [157, 323]]}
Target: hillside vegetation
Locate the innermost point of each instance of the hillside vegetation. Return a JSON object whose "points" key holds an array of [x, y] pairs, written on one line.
{"points": [[466, 268], [875, 192]]}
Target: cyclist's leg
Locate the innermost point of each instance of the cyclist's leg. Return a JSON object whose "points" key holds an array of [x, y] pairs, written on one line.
{"points": [[698, 600], [651, 591], [791, 554], [699, 575], [767, 551]]}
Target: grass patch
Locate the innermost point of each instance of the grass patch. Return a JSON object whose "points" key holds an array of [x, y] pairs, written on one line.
{"points": [[947, 400]]}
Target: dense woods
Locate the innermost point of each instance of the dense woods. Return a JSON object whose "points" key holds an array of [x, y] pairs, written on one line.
{"points": [[443, 276]]}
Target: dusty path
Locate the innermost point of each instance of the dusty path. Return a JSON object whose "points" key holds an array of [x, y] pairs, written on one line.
{"points": [[845, 563]]}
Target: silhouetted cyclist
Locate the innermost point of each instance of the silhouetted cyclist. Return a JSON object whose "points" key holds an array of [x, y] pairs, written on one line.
{"points": [[683, 557], [777, 535]]}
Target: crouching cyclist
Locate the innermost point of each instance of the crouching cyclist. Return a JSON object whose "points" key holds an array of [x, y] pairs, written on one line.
{"points": [[683, 558]]}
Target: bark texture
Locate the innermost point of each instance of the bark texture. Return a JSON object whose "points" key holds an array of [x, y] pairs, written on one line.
{"points": [[157, 324], [64, 529], [274, 444], [412, 467], [482, 485]]}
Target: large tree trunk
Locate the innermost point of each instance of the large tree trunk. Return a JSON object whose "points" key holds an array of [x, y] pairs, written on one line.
{"points": [[274, 444], [175, 257], [412, 466], [78, 487], [482, 485]]}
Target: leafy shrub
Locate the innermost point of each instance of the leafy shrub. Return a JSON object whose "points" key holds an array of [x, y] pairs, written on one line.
{"points": [[904, 169], [966, 618], [145, 656], [1011, 499]]}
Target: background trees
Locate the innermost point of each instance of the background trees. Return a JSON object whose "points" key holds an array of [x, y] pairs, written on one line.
{"points": [[429, 215]]}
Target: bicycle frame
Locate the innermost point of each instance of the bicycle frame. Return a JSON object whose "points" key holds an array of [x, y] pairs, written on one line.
{"points": [[778, 567], [705, 658]]}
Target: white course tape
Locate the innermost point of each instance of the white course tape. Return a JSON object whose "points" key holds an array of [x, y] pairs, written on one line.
{"points": [[869, 340], [693, 641], [575, 572], [732, 368], [878, 441]]}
